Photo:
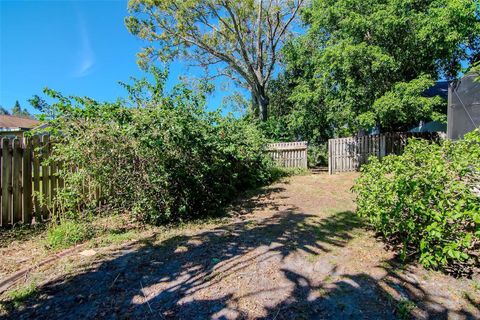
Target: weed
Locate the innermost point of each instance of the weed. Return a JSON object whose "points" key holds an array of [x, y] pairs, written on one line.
{"points": [[67, 233], [328, 278], [116, 237], [18, 296], [322, 291], [476, 285], [405, 307], [312, 258]]}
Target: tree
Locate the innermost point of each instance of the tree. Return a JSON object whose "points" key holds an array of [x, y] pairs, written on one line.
{"points": [[17, 109], [238, 39], [19, 112], [3, 111], [366, 63]]}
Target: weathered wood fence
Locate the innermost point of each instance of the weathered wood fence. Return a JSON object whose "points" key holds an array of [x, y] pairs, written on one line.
{"points": [[289, 154], [348, 154], [24, 180]]}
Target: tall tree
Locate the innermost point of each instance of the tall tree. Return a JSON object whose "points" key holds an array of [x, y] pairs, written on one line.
{"points": [[238, 39], [19, 112], [367, 62], [3, 111], [17, 109]]}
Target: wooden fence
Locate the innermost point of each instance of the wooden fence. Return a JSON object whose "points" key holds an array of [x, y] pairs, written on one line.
{"points": [[289, 154], [348, 154], [23, 176]]}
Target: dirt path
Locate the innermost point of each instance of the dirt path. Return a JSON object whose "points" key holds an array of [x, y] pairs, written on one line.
{"points": [[295, 250]]}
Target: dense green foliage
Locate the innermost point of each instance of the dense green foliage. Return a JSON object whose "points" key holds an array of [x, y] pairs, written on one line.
{"points": [[427, 200], [362, 64], [164, 158]]}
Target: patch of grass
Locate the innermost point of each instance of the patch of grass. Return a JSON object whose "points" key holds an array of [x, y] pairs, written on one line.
{"points": [[114, 237], [312, 258], [328, 278], [476, 285], [67, 233], [18, 296], [277, 173], [322, 292], [405, 307]]}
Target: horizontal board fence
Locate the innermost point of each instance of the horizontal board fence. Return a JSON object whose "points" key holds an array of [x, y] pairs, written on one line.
{"points": [[348, 154], [289, 154], [25, 180]]}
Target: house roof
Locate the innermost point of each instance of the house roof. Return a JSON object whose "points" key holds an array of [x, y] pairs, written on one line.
{"points": [[432, 126], [13, 122], [440, 88]]}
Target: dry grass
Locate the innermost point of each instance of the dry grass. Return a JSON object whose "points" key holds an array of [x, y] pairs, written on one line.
{"points": [[291, 250]]}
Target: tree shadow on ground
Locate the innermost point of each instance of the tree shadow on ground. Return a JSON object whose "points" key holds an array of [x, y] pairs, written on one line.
{"points": [[190, 277]]}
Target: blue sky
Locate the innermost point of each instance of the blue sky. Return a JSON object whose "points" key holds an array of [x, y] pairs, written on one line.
{"points": [[75, 47]]}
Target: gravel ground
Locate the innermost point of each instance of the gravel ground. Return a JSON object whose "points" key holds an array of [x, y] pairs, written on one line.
{"points": [[293, 250]]}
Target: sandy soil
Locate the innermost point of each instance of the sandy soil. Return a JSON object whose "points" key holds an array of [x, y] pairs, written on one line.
{"points": [[293, 250]]}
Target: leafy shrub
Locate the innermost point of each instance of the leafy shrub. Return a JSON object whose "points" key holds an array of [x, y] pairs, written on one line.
{"points": [[426, 200], [318, 155], [67, 233], [164, 158]]}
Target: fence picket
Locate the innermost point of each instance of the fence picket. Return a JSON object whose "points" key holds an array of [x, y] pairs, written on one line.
{"points": [[36, 177], [17, 181], [27, 182], [6, 182]]}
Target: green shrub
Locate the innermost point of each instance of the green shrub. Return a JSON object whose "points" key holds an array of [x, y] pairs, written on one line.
{"points": [[67, 233], [318, 155], [426, 200], [164, 158]]}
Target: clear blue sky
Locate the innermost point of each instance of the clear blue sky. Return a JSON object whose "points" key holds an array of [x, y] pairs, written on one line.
{"points": [[75, 47]]}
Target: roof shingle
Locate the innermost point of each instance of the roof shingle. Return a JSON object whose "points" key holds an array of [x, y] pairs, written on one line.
{"points": [[7, 121]]}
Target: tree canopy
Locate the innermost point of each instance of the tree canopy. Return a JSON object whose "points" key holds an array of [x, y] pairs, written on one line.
{"points": [[236, 39], [367, 63]]}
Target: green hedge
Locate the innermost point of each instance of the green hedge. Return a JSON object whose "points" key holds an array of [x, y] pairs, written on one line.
{"points": [[426, 201]]}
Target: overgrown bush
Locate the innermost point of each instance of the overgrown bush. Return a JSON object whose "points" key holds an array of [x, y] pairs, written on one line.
{"points": [[164, 158], [427, 201]]}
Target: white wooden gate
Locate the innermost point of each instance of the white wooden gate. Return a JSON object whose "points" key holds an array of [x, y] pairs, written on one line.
{"points": [[289, 154]]}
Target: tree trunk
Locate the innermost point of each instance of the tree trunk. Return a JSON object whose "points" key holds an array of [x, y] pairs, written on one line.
{"points": [[254, 105], [263, 107], [261, 101]]}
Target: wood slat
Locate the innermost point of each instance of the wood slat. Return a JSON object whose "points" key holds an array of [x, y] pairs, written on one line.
{"points": [[17, 181], [36, 177], [6, 215], [27, 182]]}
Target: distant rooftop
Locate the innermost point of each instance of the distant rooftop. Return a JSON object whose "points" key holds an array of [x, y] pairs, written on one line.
{"points": [[13, 122], [440, 88]]}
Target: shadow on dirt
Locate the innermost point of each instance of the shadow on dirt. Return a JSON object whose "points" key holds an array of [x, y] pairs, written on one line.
{"points": [[159, 280]]}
